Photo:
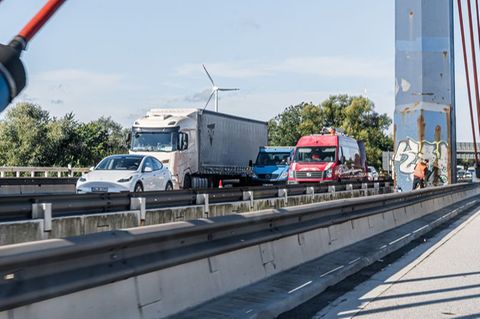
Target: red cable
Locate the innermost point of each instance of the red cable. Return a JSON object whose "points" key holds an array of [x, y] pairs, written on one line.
{"points": [[464, 46], [474, 60], [40, 19]]}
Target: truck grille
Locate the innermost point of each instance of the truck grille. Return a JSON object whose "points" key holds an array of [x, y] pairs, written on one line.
{"points": [[306, 174]]}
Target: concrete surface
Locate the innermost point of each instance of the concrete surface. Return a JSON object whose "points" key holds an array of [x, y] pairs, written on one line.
{"points": [[442, 281], [282, 292]]}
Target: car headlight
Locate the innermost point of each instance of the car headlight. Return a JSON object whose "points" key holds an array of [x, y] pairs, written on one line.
{"points": [[124, 180], [254, 175], [284, 175], [82, 179], [328, 173], [291, 173]]}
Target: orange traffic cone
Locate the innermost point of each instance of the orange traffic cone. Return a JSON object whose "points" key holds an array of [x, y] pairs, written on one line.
{"points": [[220, 184]]}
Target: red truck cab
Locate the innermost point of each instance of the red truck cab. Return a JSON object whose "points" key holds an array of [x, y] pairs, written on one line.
{"points": [[327, 157]]}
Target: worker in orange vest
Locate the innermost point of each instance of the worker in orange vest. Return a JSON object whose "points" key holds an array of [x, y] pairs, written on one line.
{"points": [[419, 174]]}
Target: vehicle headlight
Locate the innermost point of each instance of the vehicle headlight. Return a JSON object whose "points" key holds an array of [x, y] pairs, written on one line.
{"points": [[284, 175], [82, 179], [328, 173], [124, 180], [291, 173], [254, 175]]}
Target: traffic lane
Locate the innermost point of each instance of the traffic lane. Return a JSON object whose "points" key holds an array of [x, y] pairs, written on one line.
{"points": [[443, 282]]}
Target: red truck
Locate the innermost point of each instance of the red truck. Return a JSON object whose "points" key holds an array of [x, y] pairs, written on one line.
{"points": [[327, 157]]}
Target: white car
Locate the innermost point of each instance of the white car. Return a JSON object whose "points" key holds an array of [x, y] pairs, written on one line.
{"points": [[372, 174], [126, 173]]}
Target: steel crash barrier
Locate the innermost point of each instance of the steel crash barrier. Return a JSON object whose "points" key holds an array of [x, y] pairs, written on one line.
{"points": [[47, 269], [24, 207]]}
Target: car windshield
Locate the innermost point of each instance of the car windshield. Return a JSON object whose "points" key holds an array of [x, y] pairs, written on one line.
{"points": [[125, 163], [154, 141], [265, 158], [316, 154]]}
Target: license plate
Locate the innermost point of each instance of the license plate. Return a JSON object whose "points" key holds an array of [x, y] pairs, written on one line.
{"points": [[100, 189]]}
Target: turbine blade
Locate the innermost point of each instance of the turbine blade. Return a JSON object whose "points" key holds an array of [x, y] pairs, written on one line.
{"points": [[209, 98], [236, 89], [208, 74]]}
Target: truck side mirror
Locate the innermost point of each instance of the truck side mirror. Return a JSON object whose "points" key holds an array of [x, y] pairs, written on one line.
{"points": [[289, 160], [250, 163]]}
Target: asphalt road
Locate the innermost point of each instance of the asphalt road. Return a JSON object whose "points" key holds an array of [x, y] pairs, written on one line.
{"points": [[440, 279]]}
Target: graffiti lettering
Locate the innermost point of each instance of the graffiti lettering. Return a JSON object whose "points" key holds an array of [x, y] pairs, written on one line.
{"points": [[409, 152]]}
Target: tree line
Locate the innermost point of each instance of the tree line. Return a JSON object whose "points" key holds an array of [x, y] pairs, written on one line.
{"points": [[30, 136], [354, 114]]}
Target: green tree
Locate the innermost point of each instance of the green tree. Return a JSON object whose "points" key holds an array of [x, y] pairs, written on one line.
{"points": [[24, 136], [29, 136], [355, 115]]}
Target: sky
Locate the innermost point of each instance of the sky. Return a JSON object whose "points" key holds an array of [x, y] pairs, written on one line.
{"points": [[121, 58]]}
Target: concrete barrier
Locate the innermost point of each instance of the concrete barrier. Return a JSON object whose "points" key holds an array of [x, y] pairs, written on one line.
{"points": [[168, 291], [18, 232]]}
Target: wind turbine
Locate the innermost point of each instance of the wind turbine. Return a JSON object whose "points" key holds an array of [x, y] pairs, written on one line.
{"points": [[215, 90]]}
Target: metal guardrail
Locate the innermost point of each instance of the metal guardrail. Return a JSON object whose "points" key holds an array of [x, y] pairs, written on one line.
{"points": [[20, 171], [20, 207], [21, 181], [47, 269]]}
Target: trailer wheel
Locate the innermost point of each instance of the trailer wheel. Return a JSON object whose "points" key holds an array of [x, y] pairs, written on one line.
{"points": [[187, 182]]}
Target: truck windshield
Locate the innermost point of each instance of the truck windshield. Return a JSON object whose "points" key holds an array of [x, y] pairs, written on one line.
{"points": [[154, 141], [264, 158], [315, 154]]}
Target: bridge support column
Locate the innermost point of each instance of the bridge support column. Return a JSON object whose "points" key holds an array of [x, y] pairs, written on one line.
{"points": [[424, 121]]}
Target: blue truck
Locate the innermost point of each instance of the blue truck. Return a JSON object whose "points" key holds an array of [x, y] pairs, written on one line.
{"points": [[271, 166]]}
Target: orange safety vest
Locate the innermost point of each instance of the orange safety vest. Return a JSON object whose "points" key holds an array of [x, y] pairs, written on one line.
{"points": [[420, 169]]}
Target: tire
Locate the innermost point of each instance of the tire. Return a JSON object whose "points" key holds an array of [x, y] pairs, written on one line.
{"points": [[169, 186], [138, 188], [187, 182]]}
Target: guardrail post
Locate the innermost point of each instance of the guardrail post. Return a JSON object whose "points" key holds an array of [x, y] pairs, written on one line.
{"points": [[46, 173], [203, 199], [139, 203], [365, 189], [376, 186], [311, 192], [349, 187], [331, 189], [248, 195], [43, 210], [17, 174], [2, 174], [283, 192]]}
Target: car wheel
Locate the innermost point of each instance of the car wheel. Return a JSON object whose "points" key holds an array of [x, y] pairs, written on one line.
{"points": [[169, 186], [138, 188]]}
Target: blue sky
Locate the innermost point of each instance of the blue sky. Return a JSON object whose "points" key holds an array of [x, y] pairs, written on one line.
{"points": [[120, 58]]}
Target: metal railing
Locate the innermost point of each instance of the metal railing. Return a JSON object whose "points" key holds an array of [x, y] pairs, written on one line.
{"points": [[22, 207], [18, 172], [47, 269]]}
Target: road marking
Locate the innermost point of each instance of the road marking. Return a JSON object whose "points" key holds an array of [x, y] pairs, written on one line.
{"points": [[248, 311], [354, 261], [333, 270], [300, 287], [397, 240], [416, 231], [383, 247]]}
